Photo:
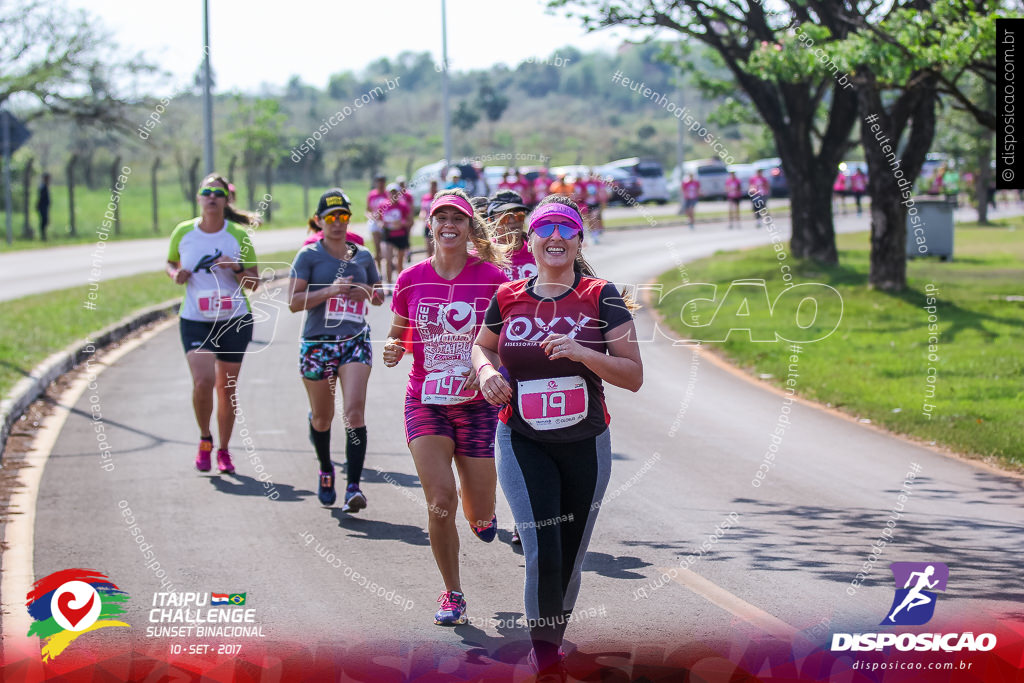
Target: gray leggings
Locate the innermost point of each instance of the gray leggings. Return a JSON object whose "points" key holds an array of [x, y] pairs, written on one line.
{"points": [[555, 491]]}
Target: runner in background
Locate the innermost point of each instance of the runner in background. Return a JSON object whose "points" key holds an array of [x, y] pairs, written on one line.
{"points": [[733, 193], [332, 280], [395, 215], [554, 449], [839, 193], [438, 306], [759, 192], [410, 203], [858, 185], [561, 185], [691, 195], [214, 258], [540, 186], [425, 201], [378, 195]]}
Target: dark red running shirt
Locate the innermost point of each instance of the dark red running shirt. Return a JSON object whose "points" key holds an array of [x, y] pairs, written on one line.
{"points": [[563, 400]]}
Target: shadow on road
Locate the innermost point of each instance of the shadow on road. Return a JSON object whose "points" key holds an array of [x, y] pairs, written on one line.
{"points": [[247, 486], [376, 530]]}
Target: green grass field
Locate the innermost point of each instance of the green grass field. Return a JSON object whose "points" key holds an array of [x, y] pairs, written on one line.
{"points": [[137, 211], [39, 325], [876, 365]]}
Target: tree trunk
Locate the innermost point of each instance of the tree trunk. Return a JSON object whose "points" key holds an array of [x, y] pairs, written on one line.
{"points": [[26, 232], [70, 173], [984, 176], [889, 176], [153, 185], [810, 199], [269, 170]]}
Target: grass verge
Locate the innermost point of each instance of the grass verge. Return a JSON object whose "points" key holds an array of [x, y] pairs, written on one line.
{"points": [[38, 325], [883, 362]]}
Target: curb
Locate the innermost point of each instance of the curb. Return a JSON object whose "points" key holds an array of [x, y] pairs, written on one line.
{"points": [[30, 388]]}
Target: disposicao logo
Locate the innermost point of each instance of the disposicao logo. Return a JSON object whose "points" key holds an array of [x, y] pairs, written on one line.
{"points": [[926, 577], [914, 605], [68, 603]]}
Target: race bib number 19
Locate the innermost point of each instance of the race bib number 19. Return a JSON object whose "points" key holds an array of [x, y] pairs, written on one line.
{"points": [[553, 403], [447, 388]]}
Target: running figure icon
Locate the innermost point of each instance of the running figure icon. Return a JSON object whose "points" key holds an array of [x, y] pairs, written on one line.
{"points": [[915, 597]]}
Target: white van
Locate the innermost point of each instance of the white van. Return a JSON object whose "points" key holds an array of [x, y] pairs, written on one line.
{"points": [[710, 173]]}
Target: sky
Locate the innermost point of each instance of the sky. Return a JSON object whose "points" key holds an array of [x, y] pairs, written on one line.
{"points": [[256, 43]]}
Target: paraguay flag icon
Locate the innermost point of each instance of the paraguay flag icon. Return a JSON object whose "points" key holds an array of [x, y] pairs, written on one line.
{"points": [[69, 603]]}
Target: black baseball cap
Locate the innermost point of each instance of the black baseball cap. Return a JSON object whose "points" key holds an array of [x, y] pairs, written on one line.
{"points": [[505, 200], [332, 200]]}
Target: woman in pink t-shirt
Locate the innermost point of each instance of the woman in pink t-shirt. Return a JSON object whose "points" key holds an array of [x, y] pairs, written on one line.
{"points": [[438, 307], [839, 192], [378, 195], [425, 202], [691, 195], [733, 192]]}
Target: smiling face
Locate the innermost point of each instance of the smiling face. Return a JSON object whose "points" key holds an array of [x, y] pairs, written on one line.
{"points": [[554, 252], [450, 228]]}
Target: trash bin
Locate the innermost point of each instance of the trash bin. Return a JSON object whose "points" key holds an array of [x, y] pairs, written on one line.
{"points": [[932, 235]]}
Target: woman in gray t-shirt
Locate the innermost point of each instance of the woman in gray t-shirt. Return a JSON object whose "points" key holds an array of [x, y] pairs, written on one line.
{"points": [[333, 280]]}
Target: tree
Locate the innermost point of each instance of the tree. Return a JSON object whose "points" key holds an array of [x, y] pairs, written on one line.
{"points": [[341, 85], [900, 61], [492, 103], [465, 116], [69, 73], [256, 132], [810, 155]]}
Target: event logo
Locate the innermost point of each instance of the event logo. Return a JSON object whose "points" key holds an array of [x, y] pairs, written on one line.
{"points": [[914, 603], [68, 603]]}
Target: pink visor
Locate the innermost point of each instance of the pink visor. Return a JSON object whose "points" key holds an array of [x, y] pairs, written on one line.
{"points": [[556, 213], [452, 200]]}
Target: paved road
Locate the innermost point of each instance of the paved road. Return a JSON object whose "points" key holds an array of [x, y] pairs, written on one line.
{"points": [[686, 448], [42, 270]]}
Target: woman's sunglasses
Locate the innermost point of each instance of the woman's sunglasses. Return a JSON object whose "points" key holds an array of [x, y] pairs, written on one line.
{"points": [[215, 191], [337, 217], [545, 230]]}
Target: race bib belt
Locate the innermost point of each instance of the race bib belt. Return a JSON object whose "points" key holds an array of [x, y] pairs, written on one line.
{"points": [[547, 404]]}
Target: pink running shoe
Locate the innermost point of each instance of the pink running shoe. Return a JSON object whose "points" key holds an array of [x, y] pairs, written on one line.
{"points": [[203, 458], [224, 463]]}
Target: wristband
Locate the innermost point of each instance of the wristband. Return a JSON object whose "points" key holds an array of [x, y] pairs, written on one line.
{"points": [[240, 270], [485, 365]]}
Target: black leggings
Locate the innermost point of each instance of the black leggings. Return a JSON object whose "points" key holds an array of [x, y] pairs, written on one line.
{"points": [[555, 491]]}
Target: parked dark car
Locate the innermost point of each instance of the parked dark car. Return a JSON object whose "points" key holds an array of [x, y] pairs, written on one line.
{"points": [[623, 186]]}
